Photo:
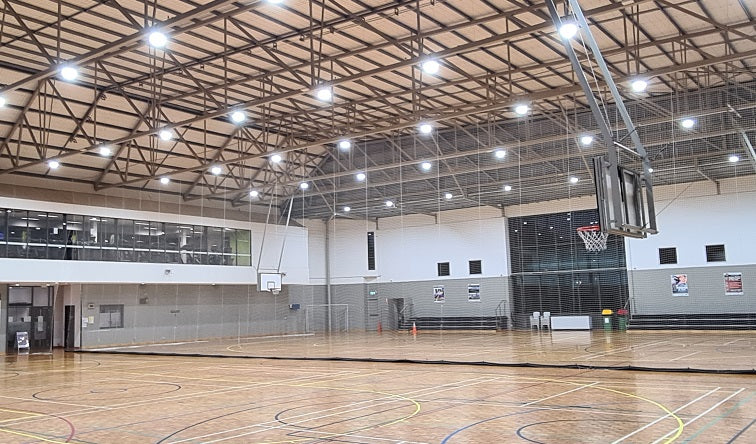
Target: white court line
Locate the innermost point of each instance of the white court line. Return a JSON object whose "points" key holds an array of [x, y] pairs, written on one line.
{"points": [[622, 350], [559, 394], [732, 342], [387, 399], [146, 345], [702, 414], [640, 429], [685, 356]]}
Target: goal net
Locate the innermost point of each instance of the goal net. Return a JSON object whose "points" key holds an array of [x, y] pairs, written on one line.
{"points": [[326, 318]]}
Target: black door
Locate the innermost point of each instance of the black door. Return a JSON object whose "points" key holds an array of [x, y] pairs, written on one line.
{"points": [[70, 327]]}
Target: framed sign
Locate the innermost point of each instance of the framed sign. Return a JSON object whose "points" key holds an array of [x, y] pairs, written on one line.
{"points": [[733, 284]]}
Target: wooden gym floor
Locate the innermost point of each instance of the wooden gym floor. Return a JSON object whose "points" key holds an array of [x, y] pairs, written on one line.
{"points": [[112, 398], [706, 350]]}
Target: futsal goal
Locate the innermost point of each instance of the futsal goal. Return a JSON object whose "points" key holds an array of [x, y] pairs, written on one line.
{"points": [[324, 318]]}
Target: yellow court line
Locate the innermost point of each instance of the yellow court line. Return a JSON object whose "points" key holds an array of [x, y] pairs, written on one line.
{"points": [[680, 424], [21, 412], [28, 435]]}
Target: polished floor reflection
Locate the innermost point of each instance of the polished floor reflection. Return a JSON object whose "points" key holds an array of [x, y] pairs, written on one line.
{"points": [[110, 398], [703, 350]]}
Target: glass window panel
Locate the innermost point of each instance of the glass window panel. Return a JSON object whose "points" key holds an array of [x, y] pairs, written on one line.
{"points": [[172, 241], [243, 247], [142, 240], [18, 233], [3, 231], [157, 242], [214, 245], [200, 245], [229, 246], [91, 239], [108, 236], [185, 235], [126, 240], [37, 235], [74, 235]]}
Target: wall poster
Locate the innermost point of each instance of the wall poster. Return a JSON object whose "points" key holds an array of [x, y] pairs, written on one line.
{"points": [[473, 293], [438, 294], [733, 284], [679, 285]]}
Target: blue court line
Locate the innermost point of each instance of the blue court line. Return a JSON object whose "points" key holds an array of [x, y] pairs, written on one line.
{"points": [[719, 418], [741, 432]]}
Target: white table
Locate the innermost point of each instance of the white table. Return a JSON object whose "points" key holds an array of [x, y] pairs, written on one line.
{"points": [[570, 322]]}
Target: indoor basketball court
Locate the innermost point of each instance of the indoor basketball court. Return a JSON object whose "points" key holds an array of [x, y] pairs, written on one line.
{"points": [[377, 221]]}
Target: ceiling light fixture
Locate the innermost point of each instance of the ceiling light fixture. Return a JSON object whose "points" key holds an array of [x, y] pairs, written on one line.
{"points": [[448, 196], [254, 193], [276, 158], [568, 30], [157, 39], [361, 176], [165, 180], [507, 187], [586, 140], [2, 101], [105, 151], [426, 166], [69, 73], [522, 109], [425, 128], [500, 153], [639, 85], [734, 158], [347, 209], [345, 145], [238, 116], [166, 135], [688, 123], [431, 67], [304, 185], [216, 170], [325, 94], [574, 180], [389, 203], [53, 164]]}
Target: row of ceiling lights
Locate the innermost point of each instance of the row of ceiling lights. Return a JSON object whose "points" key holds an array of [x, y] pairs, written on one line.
{"points": [[158, 40]]}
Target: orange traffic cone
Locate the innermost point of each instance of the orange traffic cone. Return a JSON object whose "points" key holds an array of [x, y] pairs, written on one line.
{"points": [[414, 329], [380, 327]]}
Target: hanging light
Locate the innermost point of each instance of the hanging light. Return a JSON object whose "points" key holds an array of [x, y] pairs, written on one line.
{"points": [[361, 176], [639, 85], [157, 39], [276, 158], [345, 145], [431, 67], [53, 164], [521, 109], [165, 180], [325, 94], [254, 193], [166, 135], [69, 73], [238, 116], [568, 30], [304, 185], [586, 140], [216, 170], [500, 153], [425, 128]]}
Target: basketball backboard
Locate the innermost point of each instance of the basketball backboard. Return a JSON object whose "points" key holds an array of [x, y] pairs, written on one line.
{"points": [[269, 282], [620, 192]]}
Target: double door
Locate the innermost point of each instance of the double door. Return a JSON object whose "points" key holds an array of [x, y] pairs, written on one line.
{"points": [[30, 313]]}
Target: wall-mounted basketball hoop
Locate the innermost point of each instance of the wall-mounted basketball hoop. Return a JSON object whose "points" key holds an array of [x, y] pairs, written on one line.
{"points": [[593, 237]]}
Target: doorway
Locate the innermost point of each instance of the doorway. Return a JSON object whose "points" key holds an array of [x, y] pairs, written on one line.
{"points": [[30, 312], [69, 332]]}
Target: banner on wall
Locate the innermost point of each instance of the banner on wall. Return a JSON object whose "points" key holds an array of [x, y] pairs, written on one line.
{"points": [[473, 293], [438, 294], [679, 285], [733, 284]]}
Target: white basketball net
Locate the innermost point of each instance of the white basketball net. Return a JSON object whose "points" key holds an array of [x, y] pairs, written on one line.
{"points": [[594, 240]]}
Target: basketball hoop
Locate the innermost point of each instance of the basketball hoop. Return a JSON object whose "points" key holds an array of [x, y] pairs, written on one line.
{"points": [[593, 237]]}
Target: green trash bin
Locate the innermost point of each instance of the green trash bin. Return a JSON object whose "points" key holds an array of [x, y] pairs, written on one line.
{"points": [[622, 319], [607, 314]]}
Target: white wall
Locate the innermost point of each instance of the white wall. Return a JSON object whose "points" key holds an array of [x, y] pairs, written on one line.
{"points": [[408, 248], [690, 223]]}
